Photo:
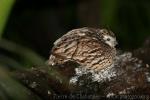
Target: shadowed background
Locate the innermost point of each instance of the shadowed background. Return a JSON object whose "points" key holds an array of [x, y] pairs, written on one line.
{"points": [[37, 24]]}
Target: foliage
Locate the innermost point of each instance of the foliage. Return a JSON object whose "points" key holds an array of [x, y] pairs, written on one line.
{"points": [[27, 57], [5, 8]]}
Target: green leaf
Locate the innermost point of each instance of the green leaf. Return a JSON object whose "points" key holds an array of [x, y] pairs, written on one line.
{"points": [[13, 90], [5, 8], [26, 54]]}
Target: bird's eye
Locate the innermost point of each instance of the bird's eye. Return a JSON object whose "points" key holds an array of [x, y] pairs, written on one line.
{"points": [[108, 39]]}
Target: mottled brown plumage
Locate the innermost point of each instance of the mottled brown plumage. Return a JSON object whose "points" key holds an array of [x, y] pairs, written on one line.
{"points": [[90, 47]]}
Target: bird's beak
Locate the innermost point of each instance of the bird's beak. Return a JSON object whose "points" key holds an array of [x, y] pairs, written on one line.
{"points": [[116, 43]]}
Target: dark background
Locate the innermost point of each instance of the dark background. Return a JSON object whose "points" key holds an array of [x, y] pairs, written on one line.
{"points": [[37, 24]]}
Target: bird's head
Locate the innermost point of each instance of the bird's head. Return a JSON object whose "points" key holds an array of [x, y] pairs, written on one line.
{"points": [[108, 37]]}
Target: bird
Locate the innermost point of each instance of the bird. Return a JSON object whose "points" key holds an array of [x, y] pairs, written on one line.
{"points": [[92, 48]]}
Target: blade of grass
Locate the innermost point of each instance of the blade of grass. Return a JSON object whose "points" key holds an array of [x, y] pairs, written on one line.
{"points": [[10, 62], [27, 54], [3, 95], [13, 89], [5, 8]]}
